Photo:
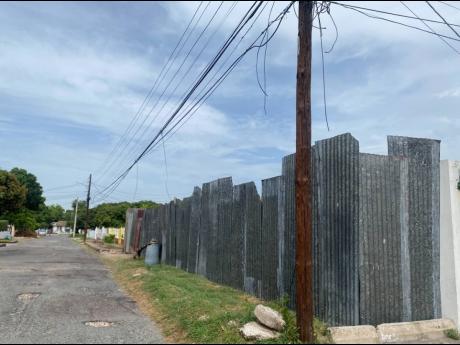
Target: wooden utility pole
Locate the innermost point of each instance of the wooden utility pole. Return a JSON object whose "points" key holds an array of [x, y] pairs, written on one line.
{"points": [[88, 198], [304, 248], [75, 219]]}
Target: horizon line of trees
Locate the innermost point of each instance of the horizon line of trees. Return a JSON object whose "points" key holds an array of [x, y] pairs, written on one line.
{"points": [[106, 214], [22, 203]]}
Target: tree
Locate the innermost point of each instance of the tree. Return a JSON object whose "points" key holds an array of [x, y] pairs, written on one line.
{"points": [[49, 214], [34, 197], [24, 221], [12, 194], [113, 214], [4, 225]]}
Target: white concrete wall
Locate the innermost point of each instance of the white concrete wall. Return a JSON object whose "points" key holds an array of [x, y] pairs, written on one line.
{"points": [[450, 241]]}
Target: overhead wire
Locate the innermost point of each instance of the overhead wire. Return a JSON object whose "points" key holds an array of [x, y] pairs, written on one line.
{"points": [[388, 13], [182, 43], [152, 89], [204, 74], [181, 81], [443, 19], [248, 15], [450, 5], [320, 8], [430, 28], [394, 22]]}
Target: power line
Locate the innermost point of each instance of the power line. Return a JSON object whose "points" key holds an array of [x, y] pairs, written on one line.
{"points": [[450, 5], [390, 13], [203, 97], [181, 81], [61, 187], [202, 76], [164, 71], [195, 107], [207, 70], [429, 27], [443, 19], [320, 9], [191, 106], [395, 22], [146, 117]]}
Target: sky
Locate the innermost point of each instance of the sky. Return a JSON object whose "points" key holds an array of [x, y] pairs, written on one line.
{"points": [[74, 75]]}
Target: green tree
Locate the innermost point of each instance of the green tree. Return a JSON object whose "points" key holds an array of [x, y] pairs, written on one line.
{"points": [[113, 214], [4, 225], [34, 197], [49, 214], [24, 220], [12, 193]]}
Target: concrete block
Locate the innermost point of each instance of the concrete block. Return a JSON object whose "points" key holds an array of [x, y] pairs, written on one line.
{"points": [[450, 241], [354, 335], [417, 331]]}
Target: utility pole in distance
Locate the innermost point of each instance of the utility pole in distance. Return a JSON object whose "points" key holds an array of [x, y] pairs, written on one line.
{"points": [[88, 198], [304, 248], [75, 219]]}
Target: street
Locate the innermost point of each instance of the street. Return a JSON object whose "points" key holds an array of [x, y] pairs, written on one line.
{"points": [[54, 291]]}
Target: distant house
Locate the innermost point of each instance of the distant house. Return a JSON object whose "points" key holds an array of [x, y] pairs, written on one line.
{"points": [[59, 227]]}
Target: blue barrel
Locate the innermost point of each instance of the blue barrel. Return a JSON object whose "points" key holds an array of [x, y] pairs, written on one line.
{"points": [[152, 254]]}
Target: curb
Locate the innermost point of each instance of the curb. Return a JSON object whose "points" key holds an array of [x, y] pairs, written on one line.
{"points": [[393, 333]]}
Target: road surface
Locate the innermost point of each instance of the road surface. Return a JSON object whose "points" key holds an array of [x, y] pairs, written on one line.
{"points": [[52, 289]]}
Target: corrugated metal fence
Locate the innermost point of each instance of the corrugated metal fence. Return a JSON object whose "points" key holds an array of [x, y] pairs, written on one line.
{"points": [[375, 219]]}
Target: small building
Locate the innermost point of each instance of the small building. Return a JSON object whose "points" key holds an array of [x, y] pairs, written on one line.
{"points": [[59, 227]]}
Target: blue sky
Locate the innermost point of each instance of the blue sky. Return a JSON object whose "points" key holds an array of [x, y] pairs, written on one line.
{"points": [[74, 74]]}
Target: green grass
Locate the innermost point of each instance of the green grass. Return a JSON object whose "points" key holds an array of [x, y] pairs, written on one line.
{"points": [[9, 241], [452, 334], [204, 311]]}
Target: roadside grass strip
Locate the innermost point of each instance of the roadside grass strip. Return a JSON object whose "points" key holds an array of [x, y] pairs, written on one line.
{"points": [[197, 309]]}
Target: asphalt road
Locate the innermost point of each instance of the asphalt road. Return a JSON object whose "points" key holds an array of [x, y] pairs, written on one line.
{"points": [[51, 287]]}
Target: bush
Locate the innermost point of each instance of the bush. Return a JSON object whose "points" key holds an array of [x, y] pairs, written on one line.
{"points": [[4, 225], [109, 239], [452, 334]]}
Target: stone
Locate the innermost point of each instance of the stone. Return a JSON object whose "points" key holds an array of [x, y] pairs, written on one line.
{"points": [[269, 318], [254, 331], [354, 335]]}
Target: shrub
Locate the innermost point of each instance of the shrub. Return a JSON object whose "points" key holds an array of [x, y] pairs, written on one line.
{"points": [[109, 239], [3, 225], [452, 334]]}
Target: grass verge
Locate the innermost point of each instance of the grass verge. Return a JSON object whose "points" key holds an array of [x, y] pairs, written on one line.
{"points": [[8, 241], [190, 308]]}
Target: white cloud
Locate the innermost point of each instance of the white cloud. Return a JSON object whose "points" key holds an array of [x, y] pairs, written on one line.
{"points": [[79, 75]]}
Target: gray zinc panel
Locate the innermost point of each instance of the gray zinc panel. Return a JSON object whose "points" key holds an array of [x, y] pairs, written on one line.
{"points": [[272, 237], [204, 235], [163, 232], [424, 232], [252, 240], [382, 230], [224, 237], [336, 164], [237, 258], [213, 262], [288, 171], [195, 224]]}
